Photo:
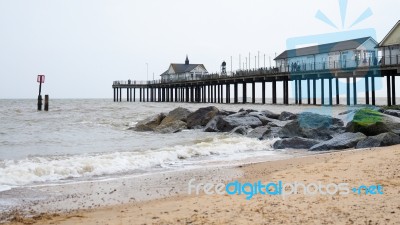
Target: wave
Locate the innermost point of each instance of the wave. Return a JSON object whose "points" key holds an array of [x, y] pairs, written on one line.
{"points": [[56, 168]]}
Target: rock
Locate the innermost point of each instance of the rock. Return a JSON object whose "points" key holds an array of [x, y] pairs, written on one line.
{"points": [[171, 127], [150, 123], [247, 110], [225, 113], [287, 116], [211, 126], [201, 116], [276, 123], [176, 114], [259, 132], [240, 130], [392, 112], [346, 112], [264, 132], [368, 122], [381, 140], [265, 120], [270, 114], [228, 123], [341, 141], [240, 114], [313, 126], [295, 143]]}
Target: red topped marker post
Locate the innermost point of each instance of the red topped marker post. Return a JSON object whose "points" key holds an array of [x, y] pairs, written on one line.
{"points": [[40, 80]]}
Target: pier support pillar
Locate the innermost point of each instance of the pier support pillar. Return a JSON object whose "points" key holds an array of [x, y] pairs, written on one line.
{"points": [[373, 89], [140, 95], [235, 93], [355, 90], [114, 95], [219, 93], [244, 92], [263, 92], [308, 92], [314, 91], [388, 86], [322, 92], [330, 92], [222, 93], [366, 90], [348, 90], [274, 92], [296, 96], [300, 94], [394, 89], [253, 92], [120, 94], [215, 93], [337, 91], [228, 93]]}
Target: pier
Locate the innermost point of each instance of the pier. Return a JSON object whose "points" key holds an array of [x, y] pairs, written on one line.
{"points": [[217, 88]]}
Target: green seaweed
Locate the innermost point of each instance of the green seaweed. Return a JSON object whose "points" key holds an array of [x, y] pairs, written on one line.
{"points": [[366, 117]]}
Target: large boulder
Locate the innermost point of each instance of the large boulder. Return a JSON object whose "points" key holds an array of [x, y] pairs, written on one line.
{"points": [[243, 130], [171, 127], [369, 122], [176, 114], [264, 132], [150, 123], [313, 126], [201, 116], [392, 112], [270, 114], [385, 139], [295, 143], [287, 116], [228, 123], [342, 141], [265, 120]]}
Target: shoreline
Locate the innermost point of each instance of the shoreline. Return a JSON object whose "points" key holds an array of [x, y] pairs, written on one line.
{"points": [[352, 166]]}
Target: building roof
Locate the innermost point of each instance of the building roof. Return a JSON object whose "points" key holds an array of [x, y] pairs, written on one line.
{"points": [[183, 68], [324, 48], [388, 34]]}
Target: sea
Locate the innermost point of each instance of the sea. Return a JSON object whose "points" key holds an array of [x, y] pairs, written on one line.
{"points": [[89, 139]]}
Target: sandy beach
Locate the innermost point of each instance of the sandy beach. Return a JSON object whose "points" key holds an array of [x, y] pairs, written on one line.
{"points": [[378, 166]]}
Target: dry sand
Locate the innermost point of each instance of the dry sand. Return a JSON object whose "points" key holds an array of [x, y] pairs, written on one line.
{"points": [[356, 167]]}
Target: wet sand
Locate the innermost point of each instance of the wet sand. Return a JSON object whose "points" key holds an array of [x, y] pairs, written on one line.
{"points": [[356, 167]]}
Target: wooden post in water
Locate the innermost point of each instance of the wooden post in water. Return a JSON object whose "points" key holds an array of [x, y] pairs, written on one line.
{"points": [[40, 80], [39, 103], [46, 103]]}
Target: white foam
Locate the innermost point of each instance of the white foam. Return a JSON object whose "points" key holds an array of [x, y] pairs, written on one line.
{"points": [[43, 169]]}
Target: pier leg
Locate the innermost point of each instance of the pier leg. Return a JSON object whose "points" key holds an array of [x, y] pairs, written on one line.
{"points": [[296, 98], [389, 98], [191, 94], [373, 89], [366, 90], [187, 94], [215, 93], [330, 92], [219, 94], [228, 93], [140, 95], [308, 92], [348, 90], [131, 95], [127, 94], [134, 94], [253, 92], [300, 95], [274, 92], [393, 89], [171, 97], [244, 92], [222, 93], [114, 95], [235, 93], [337, 91], [120, 94], [176, 95], [322, 92], [314, 91], [263, 92], [355, 90], [147, 93]]}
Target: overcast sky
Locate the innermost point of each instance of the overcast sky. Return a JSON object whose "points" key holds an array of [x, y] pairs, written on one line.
{"points": [[83, 45]]}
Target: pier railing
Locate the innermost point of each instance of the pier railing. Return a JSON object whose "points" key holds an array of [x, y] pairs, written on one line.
{"points": [[295, 67]]}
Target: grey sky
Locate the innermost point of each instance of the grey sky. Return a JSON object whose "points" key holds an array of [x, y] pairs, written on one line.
{"points": [[83, 45]]}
